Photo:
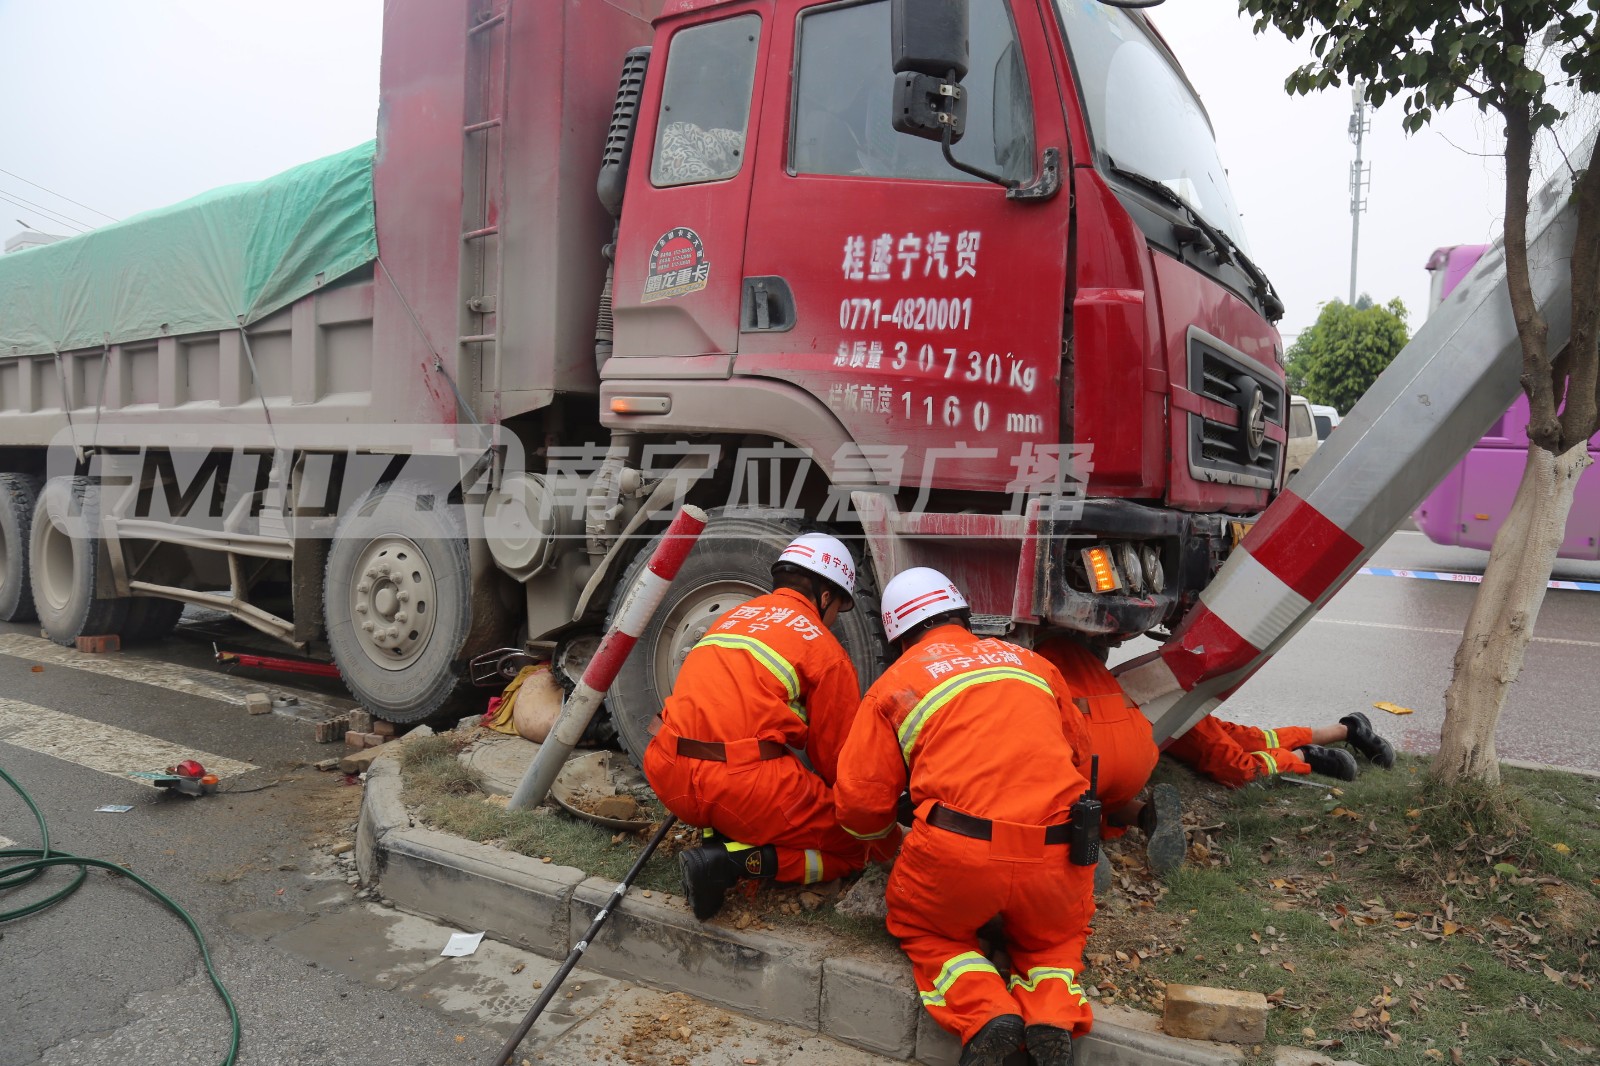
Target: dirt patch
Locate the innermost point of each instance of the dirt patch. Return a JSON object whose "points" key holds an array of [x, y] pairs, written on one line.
{"points": [[678, 1030]]}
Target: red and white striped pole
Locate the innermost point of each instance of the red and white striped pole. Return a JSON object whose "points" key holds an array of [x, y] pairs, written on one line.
{"points": [[636, 612], [1434, 401]]}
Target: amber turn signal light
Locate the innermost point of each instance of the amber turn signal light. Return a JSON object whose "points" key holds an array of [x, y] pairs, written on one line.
{"points": [[1102, 573]]}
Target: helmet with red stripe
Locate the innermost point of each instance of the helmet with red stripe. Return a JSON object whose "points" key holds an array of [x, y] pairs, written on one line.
{"points": [[917, 594], [824, 555]]}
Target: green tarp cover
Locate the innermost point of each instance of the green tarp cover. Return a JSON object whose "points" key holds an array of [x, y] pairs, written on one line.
{"points": [[233, 254]]}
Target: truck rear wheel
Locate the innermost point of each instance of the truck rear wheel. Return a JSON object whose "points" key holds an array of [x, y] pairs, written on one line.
{"points": [[731, 563], [150, 619], [18, 495], [397, 596], [64, 560]]}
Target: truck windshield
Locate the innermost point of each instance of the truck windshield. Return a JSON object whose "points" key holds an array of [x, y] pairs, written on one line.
{"points": [[1142, 113]]}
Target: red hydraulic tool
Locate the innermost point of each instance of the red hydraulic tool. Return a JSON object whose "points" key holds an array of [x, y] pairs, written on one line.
{"points": [[267, 662]]}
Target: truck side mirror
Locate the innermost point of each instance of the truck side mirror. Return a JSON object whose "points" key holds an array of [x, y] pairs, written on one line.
{"points": [[931, 51], [929, 37]]}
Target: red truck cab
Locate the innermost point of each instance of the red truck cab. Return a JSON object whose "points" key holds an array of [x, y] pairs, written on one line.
{"points": [[790, 267]]}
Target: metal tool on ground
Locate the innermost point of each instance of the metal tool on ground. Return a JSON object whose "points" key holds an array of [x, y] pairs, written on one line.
{"points": [[571, 961], [268, 662], [631, 620]]}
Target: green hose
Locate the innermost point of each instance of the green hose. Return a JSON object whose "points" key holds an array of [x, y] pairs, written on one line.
{"points": [[34, 861]]}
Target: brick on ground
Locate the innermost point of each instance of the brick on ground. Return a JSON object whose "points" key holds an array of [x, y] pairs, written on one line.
{"points": [[258, 703], [382, 728], [99, 645], [1199, 1012], [357, 762], [360, 721]]}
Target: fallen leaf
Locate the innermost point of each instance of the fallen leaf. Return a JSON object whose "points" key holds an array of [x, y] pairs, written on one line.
{"points": [[1289, 966], [1336, 924], [1451, 928], [460, 1039], [36, 668], [1359, 1012], [518, 967], [1435, 1054], [1505, 868], [1393, 708], [1555, 976], [1414, 812], [1562, 848]]}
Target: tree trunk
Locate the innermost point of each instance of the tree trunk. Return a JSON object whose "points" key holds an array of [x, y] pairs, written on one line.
{"points": [[1496, 637]]}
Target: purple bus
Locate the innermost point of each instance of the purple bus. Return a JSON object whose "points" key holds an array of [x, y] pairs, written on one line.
{"points": [[1471, 502]]}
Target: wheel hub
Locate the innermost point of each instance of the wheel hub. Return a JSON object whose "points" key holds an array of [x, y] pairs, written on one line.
{"points": [[689, 619], [392, 602]]}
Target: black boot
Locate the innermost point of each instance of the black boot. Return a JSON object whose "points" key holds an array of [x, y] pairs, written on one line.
{"points": [[1162, 822], [711, 869], [1049, 1045], [1334, 762], [1366, 740], [989, 1046]]}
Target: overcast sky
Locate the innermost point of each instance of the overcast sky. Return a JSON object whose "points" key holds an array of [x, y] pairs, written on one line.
{"points": [[124, 106]]}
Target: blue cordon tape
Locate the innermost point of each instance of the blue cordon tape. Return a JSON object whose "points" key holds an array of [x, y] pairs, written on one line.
{"points": [[1471, 579]]}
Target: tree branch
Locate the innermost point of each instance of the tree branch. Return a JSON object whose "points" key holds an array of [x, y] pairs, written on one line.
{"points": [[1578, 420], [1532, 331]]}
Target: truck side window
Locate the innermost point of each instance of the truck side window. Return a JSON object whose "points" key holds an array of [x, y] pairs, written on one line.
{"points": [[843, 100], [705, 102]]}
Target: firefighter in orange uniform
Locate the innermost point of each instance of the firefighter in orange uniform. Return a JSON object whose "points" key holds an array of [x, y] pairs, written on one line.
{"points": [[1235, 755], [767, 676], [1119, 734], [994, 754]]}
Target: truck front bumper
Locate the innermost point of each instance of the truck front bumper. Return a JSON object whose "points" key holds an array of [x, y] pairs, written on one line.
{"points": [[1191, 549]]}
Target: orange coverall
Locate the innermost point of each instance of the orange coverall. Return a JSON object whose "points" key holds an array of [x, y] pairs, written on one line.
{"points": [[985, 728], [1118, 731], [766, 670], [1235, 755]]}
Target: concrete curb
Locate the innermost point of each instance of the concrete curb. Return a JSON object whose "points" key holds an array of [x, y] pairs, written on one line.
{"points": [[544, 908]]}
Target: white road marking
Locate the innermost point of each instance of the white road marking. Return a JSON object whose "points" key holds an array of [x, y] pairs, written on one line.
{"points": [[204, 683], [100, 747], [1448, 632]]}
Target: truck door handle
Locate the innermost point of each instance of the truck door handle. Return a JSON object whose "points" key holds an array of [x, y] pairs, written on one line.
{"points": [[767, 306]]}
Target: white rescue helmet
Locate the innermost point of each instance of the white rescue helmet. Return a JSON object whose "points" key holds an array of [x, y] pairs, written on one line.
{"points": [[825, 555], [915, 594]]}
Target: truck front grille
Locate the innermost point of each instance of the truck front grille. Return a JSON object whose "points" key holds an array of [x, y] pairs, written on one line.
{"points": [[1217, 451]]}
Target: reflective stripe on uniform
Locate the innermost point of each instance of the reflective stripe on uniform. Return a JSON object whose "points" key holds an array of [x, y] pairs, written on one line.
{"points": [[1272, 738], [776, 664], [1044, 973], [942, 694], [879, 835], [951, 972], [1272, 764], [813, 866]]}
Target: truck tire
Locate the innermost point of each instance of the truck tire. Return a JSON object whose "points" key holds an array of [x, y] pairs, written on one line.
{"points": [[18, 495], [731, 563], [397, 600], [64, 564], [150, 619]]}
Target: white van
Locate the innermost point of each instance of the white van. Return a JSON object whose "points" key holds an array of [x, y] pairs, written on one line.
{"points": [[1326, 418], [1303, 438]]}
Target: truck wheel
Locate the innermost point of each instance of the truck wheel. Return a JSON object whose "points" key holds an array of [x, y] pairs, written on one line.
{"points": [[397, 597], [150, 619], [64, 560], [731, 563], [18, 494]]}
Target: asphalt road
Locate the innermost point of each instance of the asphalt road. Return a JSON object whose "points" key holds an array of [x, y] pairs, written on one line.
{"points": [[1393, 639], [319, 974]]}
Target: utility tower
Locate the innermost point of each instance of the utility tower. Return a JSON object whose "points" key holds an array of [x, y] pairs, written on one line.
{"points": [[1360, 176]]}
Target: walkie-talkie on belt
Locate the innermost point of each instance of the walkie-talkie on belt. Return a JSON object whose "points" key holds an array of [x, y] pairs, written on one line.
{"points": [[1085, 820]]}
